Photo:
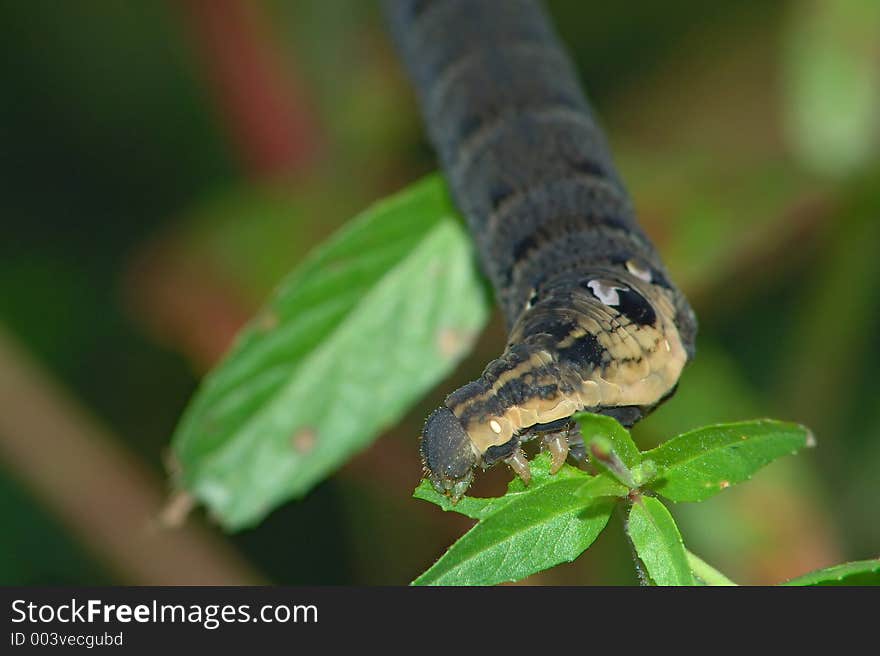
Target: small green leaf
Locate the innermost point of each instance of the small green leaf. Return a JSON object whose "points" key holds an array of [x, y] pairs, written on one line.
{"points": [[705, 573], [862, 572], [698, 464], [478, 507], [526, 531], [602, 454], [658, 543], [645, 471], [602, 485], [363, 328], [592, 425], [473, 507]]}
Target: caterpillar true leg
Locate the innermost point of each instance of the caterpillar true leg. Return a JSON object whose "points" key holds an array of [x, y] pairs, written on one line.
{"points": [[557, 445], [520, 465]]}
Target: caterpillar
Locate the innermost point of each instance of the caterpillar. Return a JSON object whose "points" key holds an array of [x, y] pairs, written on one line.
{"points": [[594, 321]]}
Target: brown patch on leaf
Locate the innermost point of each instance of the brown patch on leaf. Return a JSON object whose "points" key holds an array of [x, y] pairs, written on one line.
{"points": [[304, 439], [451, 342], [265, 321]]}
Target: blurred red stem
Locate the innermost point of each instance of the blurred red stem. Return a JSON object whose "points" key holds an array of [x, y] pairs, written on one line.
{"points": [[261, 100]]}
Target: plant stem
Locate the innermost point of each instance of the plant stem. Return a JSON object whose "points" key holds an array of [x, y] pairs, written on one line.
{"points": [[706, 572]]}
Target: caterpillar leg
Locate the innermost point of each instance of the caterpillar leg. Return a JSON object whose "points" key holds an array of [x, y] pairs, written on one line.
{"points": [[520, 465], [563, 441], [577, 449], [560, 444], [557, 445]]}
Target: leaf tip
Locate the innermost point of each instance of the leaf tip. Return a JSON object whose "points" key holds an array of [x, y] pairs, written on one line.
{"points": [[176, 509], [810, 440]]}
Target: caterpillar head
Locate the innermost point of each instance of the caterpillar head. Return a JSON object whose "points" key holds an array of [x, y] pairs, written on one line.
{"points": [[447, 453]]}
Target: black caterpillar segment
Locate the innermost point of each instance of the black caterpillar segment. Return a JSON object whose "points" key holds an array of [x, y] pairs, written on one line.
{"points": [[594, 321]]}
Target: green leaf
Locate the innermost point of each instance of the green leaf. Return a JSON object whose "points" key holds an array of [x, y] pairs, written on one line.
{"points": [[473, 507], [862, 572], [602, 454], [592, 425], [705, 573], [526, 531], [658, 543], [364, 327], [698, 464]]}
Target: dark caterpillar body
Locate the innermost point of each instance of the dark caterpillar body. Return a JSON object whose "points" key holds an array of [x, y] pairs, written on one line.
{"points": [[594, 321]]}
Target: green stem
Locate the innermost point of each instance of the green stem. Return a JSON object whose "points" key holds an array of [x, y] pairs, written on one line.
{"points": [[706, 572]]}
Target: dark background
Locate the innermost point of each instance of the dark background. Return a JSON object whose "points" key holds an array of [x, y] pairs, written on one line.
{"points": [[163, 163]]}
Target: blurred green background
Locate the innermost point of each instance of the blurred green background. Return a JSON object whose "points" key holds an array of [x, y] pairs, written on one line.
{"points": [[165, 163]]}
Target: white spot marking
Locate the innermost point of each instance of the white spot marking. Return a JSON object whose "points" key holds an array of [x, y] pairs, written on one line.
{"points": [[638, 270], [605, 292], [495, 426]]}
